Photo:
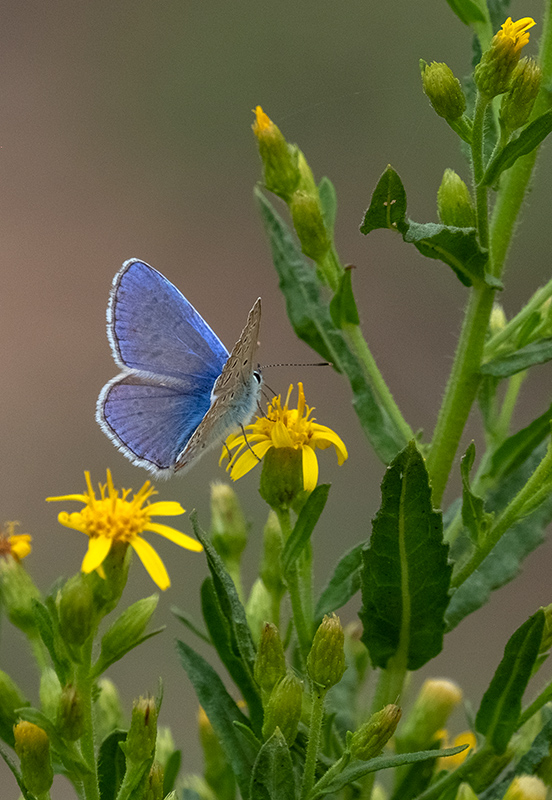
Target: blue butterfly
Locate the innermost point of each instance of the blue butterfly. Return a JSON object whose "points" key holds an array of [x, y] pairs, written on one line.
{"points": [[179, 392]]}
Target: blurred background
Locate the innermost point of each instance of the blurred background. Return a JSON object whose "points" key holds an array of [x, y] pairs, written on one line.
{"points": [[125, 130]]}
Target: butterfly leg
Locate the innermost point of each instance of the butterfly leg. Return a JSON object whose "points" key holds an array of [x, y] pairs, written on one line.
{"points": [[247, 443]]}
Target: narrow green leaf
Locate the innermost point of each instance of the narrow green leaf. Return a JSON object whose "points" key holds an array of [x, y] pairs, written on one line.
{"points": [[357, 770], [343, 308], [303, 528], [406, 575], [222, 712], [500, 708], [328, 202], [538, 352], [457, 247], [111, 765], [190, 623], [48, 629], [518, 447], [388, 204], [467, 11], [172, 768], [529, 138], [222, 636], [312, 322], [343, 584], [16, 774], [475, 518], [272, 777]]}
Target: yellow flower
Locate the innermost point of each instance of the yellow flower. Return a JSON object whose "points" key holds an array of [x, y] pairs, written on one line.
{"points": [[515, 35], [17, 545], [493, 73], [262, 121], [283, 427], [451, 762], [119, 519]]}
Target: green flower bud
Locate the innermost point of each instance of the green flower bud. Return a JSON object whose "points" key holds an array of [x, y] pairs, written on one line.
{"points": [[307, 183], [454, 202], [270, 661], [17, 592], [526, 787], [518, 102], [309, 224], [228, 525], [465, 792], [218, 775], [271, 566], [140, 741], [154, 788], [281, 477], [33, 748], [432, 708], [11, 699], [109, 711], [70, 718], [370, 739], [258, 608], [126, 632], [76, 610], [50, 692], [493, 73], [497, 321], [280, 160], [326, 660], [443, 90], [283, 709]]}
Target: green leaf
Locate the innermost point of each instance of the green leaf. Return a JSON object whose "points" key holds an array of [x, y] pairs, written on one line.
{"points": [[343, 308], [172, 768], [517, 448], [48, 628], [241, 642], [538, 352], [357, 770], [328, 202], [406, 575], [190, 623], [222, 712], [273, 777], [388, 204], [303, 528], [344, 583], [468, 11], [529, 138], [312, 322], [500, 708], [16, 774], [457, 247], [111, 765], [475, 518]]}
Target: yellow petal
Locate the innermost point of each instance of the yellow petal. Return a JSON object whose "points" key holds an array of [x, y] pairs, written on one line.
{"points": [[152, 562], [280, 436], [82, 497], [165, 508], [174, 536], [20, 544], [321, 432], [310, 469], [249, 459], [98, 548]]}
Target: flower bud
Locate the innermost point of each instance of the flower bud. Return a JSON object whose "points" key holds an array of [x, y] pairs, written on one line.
{"points": [[271, 566], [281, 477], [270, 661], [452, 762], [140, 741], [443, 90], [218, 775], [497, 321], [370, 739], [109, 711], [154, 788], [326, 660], [454, 202], [258, 608], [309, 224], [33, 748], [50, 692], [70, 718], [526, 787], [280, 160], [433, 706], [126, 632], [17, 592], [493, 73], [76, 610], [283, 709], [518, 102], [465, 792], [307, 183], [228, 525], [11, 699]]}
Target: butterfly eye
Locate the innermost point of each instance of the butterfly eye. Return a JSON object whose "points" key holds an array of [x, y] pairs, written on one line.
{"points": [[257, 376]]}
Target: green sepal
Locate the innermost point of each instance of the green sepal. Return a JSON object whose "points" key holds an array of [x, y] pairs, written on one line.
{"points": [[273, 777], [517, 448], [457, 247], [304, 526], [47, 624], [126, 633], [388, 204], [248, 734], [467, 11], [500, 708], [477, 521], [343, 307], [312, 323], [529, 138], [223, 712], [68, 754], [357, 770], [190, 623], [111, 765], [328, 204], [222, 636], [538, 352], [406, 575], [504, 561], [172, 768], [343, 584]]}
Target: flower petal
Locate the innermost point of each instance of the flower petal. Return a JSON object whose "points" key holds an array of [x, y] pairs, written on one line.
{"points": [[20, 544], [322, 432], [249, 459], [98, 548], [82, 497], [281, 436], [175, 536], [165, 508], [310, 469], [152, 562]]}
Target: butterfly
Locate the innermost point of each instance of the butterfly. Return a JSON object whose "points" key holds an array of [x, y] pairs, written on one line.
{"points": [[179, 391]]}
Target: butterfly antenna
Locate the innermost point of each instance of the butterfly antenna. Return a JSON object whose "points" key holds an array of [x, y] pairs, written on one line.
{"points": [[315, 364]]}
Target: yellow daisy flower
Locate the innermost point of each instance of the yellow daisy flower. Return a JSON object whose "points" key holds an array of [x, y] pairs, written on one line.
{"points": [[515, 35], [283, 427], [17, 545], [112, 518]]}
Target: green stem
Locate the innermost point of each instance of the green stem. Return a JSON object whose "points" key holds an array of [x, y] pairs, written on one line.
{"points": [[517, 507], [296, 594], [494, 344], [333, 771], [508, 405], [454, 779], [84, 685], [390, 682], [358, 345], [317, 714], [536, 705]]}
